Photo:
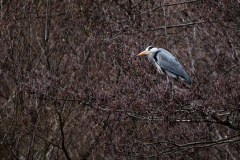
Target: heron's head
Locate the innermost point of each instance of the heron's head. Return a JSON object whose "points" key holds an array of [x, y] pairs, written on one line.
{"points": [[149, 49]]}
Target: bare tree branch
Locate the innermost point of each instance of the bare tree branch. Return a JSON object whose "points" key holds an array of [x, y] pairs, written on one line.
{"points": [[62, 135]]}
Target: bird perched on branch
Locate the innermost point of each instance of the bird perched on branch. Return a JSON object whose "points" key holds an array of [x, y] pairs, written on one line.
{"points": [[166, 63]]}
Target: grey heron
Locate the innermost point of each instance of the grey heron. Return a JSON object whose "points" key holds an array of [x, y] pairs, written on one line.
{"points": [[166, 63]]}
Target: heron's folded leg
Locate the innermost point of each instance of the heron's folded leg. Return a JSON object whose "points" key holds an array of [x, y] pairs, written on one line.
{"points": [[167, 84], [172, 89]]}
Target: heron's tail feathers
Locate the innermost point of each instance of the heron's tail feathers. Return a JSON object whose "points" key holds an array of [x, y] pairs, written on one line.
{"points": [[187, 79]]}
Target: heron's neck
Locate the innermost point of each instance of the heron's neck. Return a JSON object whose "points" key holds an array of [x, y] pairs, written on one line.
{"points": [[150, 57]]}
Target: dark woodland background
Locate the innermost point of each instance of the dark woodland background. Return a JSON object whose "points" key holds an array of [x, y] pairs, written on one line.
{"points": [[72, 87]]}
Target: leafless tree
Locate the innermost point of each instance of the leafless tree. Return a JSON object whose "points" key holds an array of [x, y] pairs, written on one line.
{"points": [[71, 86]]}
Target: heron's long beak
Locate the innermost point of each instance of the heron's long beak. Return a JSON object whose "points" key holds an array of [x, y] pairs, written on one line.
{"points": [[142, 53]]}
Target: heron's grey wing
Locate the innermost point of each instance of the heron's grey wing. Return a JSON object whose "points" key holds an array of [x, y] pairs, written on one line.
{"points": [[170, 65]]}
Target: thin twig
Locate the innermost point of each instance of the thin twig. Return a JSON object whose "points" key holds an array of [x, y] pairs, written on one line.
{"points": [[179, 25], [179, 3], [229, 70]]}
